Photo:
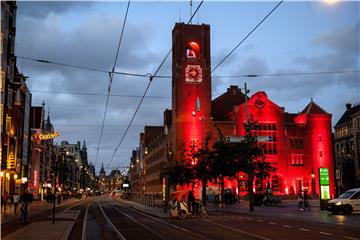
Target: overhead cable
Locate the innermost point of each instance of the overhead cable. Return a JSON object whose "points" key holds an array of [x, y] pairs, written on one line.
{"points": [[148, 86], [110, 81]]}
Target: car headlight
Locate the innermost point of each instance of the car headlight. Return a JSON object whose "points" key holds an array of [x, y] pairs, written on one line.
{"points": [[338, 203]]}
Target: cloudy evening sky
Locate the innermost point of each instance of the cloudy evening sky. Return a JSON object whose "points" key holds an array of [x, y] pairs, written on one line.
{"points": [[298, 37]]}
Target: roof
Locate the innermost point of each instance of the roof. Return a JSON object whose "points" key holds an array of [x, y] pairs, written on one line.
{"points": [[290, 117], [102, 168], [224, 104], [313, 108], [347, 116]]}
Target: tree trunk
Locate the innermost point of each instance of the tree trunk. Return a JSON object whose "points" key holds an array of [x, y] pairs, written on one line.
{"points": [[167, 194], [250, 190], [222, 191], [203, 196]]}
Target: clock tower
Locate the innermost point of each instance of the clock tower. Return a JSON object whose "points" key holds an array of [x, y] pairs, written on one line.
{"points": [[191, 80]]}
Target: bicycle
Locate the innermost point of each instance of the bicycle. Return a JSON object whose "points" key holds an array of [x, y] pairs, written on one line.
{"points": [[303, 206]]}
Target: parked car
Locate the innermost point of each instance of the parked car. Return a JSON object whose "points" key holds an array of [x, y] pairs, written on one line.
{"points": [[347, 202]]}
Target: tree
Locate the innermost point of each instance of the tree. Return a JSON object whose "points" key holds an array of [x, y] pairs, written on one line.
{"points": [[201, 167], [228, 159], [176, 172]]}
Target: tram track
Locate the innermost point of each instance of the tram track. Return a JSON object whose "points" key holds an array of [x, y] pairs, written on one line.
{"points": [[169, 230]]}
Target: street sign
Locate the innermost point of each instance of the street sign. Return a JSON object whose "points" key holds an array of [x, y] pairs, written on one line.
{"points": [[337, 174], [264, 138], [237, 139], [325, 192], [234, 139], [324, 176]]}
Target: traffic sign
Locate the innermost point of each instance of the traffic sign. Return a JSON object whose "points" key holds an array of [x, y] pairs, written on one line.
{"points": [[264, 138], [237, 139], [234, 139]]}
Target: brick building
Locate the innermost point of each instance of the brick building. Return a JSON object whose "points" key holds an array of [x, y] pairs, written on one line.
{"points": [[347, 148], [301, 142]]}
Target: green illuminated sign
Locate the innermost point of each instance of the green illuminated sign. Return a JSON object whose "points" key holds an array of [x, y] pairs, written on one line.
{"points": [[324, 176], [325, 192]]}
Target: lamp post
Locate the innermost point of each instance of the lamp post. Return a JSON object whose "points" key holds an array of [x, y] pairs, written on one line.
{"points": [[250, 173], [202, 118]]}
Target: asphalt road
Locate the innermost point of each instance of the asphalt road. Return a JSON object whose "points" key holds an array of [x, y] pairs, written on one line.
{"points": [[103, 218], [116, 221]]}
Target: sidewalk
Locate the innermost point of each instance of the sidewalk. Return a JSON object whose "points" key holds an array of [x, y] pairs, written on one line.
{"points": [[35, 208], [154, 211], [43, 231], [285, 206]]}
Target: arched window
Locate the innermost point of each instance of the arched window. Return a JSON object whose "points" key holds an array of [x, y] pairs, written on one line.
{"points": [[192, 50]]}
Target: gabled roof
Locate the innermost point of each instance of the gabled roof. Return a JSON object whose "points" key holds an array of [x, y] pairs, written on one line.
{"points": [[346, 117], [313, 108], [224, 104]]}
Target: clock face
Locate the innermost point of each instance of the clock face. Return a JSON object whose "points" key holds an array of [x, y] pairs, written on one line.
{"points": [[259, 103], [193, 74]]}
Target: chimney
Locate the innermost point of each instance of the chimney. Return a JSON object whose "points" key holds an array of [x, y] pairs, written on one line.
{"points": [[348, 106]]}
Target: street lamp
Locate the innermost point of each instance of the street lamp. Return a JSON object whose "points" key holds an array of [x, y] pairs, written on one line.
{"points": [[202, 118]]}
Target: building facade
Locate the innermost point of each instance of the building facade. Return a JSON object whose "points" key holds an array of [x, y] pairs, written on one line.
{"points": [[15, 101], [300, 144], [347, 149]]}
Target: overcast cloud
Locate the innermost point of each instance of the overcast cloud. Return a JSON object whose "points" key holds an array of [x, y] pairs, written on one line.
{"points": [[87, 33]]}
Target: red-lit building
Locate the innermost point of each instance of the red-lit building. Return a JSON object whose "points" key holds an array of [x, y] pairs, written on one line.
{"points": [[300, 144]]}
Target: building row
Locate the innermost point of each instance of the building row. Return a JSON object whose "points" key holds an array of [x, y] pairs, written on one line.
{"points": [[299, 145], [111, 182], [29, 158]]}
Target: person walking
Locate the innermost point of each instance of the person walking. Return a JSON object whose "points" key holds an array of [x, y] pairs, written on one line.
{"points": [[2, 202], [10, 203], [26, 198], [16, 198]]}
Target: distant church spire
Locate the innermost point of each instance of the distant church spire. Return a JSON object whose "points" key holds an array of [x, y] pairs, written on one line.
{"points": [[102, 170], [84, 145]]}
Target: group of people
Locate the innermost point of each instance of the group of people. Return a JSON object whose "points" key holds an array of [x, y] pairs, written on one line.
{"points": [[10, 202]]}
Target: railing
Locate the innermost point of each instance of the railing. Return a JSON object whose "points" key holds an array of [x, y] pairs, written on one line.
{"points": [[149, 200]]}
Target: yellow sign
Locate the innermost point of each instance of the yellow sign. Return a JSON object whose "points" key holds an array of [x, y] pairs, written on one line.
{"points": [[46, 136], [11, 163]]}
